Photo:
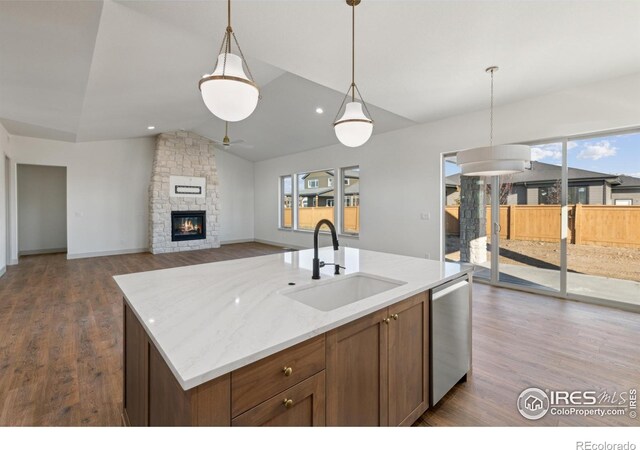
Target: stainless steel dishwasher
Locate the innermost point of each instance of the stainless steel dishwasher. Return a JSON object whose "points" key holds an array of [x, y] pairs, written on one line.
{"points": [[450, 336]]}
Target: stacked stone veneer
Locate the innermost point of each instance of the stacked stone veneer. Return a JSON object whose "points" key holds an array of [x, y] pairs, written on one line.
{"points": [[473, 220], [182, 153]]}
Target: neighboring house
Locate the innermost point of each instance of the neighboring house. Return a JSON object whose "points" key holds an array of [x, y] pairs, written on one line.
{"points": [[317, 189], [627, 192], [541, 185]]}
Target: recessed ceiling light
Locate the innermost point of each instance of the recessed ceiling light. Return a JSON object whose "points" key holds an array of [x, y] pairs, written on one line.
{"points": [[151, 127], [319, 110]]}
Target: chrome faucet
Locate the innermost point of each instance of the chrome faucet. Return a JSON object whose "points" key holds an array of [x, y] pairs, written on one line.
{"points": [[316, 262]]}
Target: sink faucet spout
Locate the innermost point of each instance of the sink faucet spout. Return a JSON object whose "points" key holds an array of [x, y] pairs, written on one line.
{"points": [[334, 238]]}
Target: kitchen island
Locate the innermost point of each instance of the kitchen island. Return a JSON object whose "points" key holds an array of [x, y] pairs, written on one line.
{"points": [[253, 342]]}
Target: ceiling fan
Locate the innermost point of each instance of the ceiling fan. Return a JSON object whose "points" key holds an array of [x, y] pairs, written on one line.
{"points": [[228, 144]]}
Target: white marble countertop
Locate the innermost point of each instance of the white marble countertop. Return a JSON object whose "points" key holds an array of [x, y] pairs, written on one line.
{"points": [[209, 319]]}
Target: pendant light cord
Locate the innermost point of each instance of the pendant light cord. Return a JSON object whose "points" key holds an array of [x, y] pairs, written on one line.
{"points": [[491, 114], [229, 29], [353, 51]]}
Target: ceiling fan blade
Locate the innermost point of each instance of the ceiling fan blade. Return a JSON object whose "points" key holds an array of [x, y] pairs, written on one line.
{"points": [[220, 146], [241, 145]]}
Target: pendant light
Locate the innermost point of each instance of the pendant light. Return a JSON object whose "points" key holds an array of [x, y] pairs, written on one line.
{"points": [[228, 92], [354, 128], [494, 159]]}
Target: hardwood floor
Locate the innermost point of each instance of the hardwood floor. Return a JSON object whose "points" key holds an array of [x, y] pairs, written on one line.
{"points": [[61, 334], [523, 340], [61, 348]]}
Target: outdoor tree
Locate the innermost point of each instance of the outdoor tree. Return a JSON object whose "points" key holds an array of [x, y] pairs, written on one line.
{"points": [[553, 193], [505, 189]]}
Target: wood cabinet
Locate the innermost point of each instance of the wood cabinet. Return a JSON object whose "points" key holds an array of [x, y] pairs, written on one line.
{"points": [[300, 406], [378, 367], [408, 360], [357, 372], [373, 371], [257, 382]]}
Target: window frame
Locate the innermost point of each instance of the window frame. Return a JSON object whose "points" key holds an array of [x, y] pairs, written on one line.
{"points": [[281, 202], [343, 184], [338, 199]]}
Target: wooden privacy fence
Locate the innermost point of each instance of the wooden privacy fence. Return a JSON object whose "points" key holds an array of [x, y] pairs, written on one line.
{"points": [[309, 217], [606, 225]]}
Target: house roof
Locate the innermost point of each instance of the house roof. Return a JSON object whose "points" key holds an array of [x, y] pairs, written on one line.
{"points": [[312, 192], [627, 182], [329, 192], [542, 172], [317, 173]]}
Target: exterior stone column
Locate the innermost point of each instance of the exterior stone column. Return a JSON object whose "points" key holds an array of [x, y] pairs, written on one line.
{"points": [[473, 220]]}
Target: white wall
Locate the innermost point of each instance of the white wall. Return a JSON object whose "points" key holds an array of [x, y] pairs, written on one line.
{"points": [[400, 170], [42, 209], [107, 191], [236, 196], [4, 144]]}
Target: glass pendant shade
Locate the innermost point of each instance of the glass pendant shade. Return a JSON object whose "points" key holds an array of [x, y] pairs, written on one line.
{"points": [[233, 96], [493, 160], [354, 128]]}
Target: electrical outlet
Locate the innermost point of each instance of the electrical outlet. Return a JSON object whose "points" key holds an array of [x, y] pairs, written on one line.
{"points": [[425, 216], [427, 255]]}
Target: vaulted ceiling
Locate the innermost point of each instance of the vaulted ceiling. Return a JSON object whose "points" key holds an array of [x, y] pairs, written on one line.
{"points": [[93, 70]]}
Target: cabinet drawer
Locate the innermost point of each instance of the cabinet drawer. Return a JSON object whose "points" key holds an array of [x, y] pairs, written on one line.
{"points": [[257, 382], [299, 406]]}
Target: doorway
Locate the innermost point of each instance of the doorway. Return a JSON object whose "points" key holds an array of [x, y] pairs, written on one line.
{"points": [[42, 209]]}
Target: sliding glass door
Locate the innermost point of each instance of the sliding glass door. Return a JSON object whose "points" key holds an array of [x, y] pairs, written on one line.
{"points": [[568, 225], [529, 229], [603, 255]]}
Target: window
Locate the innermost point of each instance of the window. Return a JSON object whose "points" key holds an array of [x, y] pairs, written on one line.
{"points": [[351, 200], [286, 197], [549, 195], [308, 197], [315, 198], [578, 194]]}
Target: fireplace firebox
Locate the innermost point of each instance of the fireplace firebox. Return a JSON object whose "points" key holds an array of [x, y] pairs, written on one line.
{"points": [[188, 225]]}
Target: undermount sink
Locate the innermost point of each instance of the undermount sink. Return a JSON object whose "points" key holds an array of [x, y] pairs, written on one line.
{"points": [[328, 295]]}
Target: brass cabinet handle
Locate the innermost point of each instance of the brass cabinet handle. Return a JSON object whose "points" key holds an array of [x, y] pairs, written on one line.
{"points": [[395, 316], [287, 402], [387, 320], [287, 371]]}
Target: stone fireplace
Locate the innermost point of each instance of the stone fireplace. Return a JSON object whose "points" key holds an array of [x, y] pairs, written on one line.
{"points": [[184, 196]]}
